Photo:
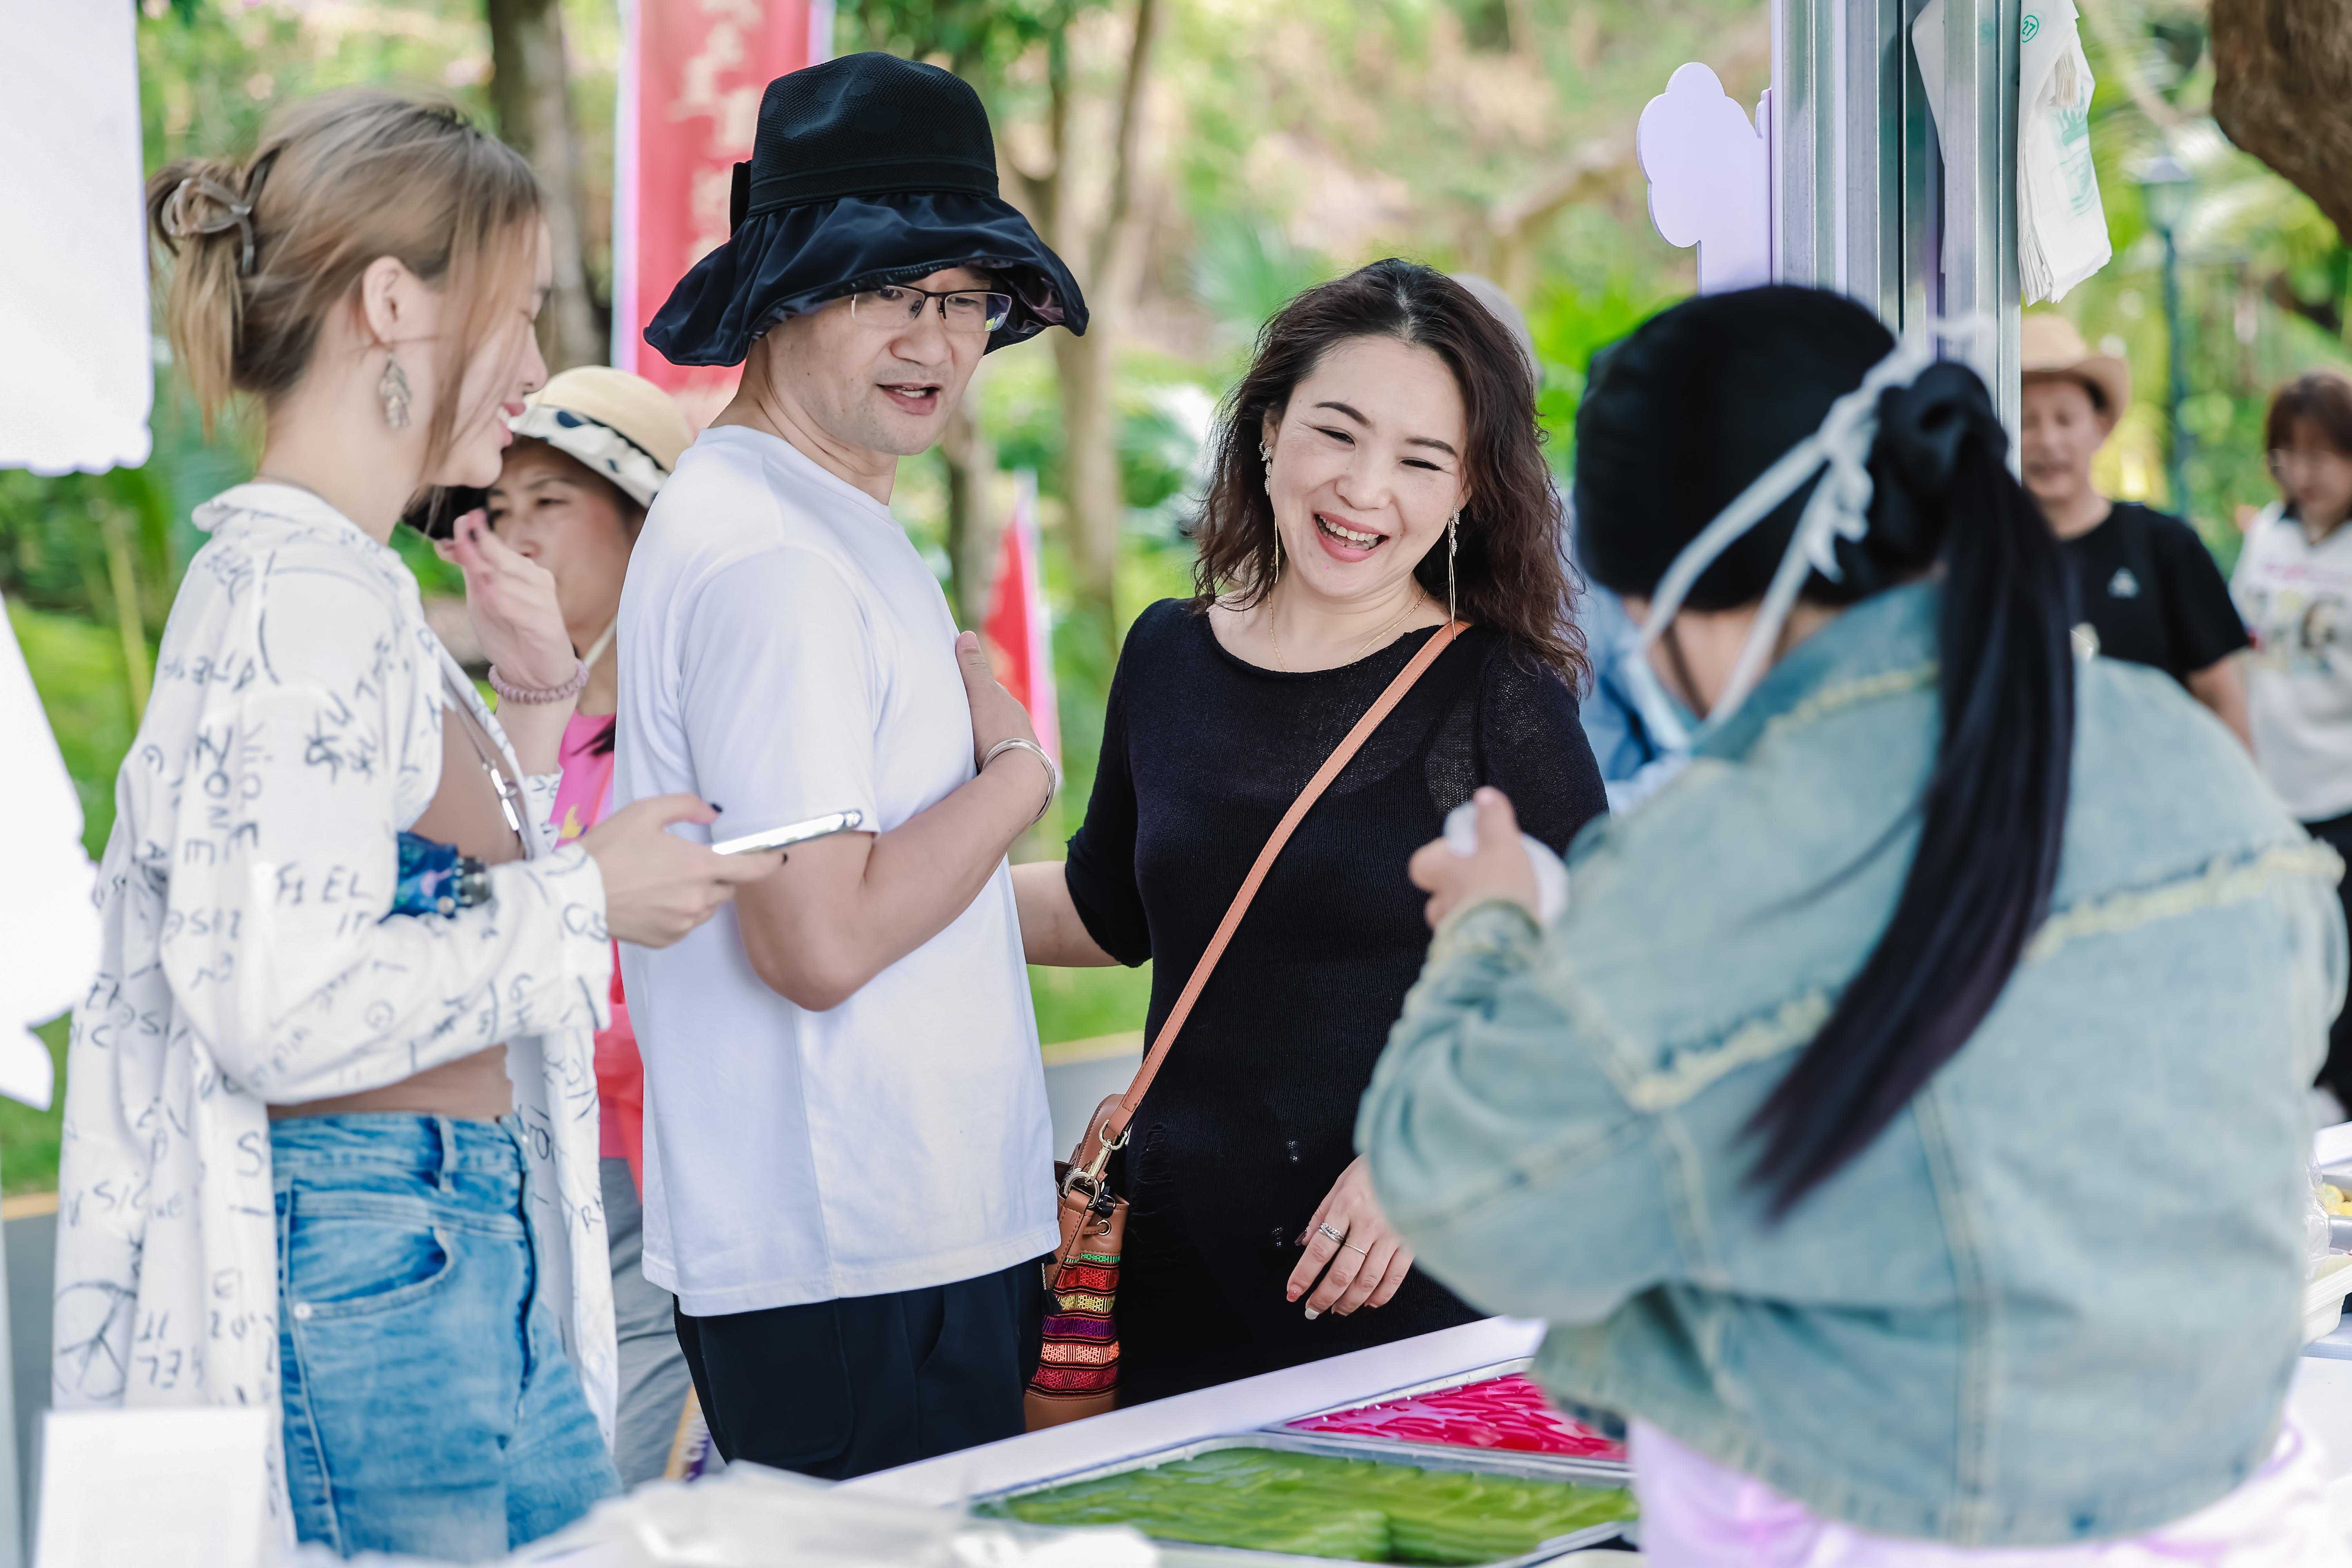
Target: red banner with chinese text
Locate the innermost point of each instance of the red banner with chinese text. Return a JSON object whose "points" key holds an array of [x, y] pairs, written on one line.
{"points": [[691, 75]]}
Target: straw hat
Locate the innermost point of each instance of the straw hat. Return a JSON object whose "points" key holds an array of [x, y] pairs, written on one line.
{"points": [[2051, 346], [619, 425]]}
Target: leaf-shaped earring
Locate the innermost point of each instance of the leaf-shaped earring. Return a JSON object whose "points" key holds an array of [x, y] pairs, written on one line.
{"points": [[392, 389], [1265, 455], [1452, 526]]}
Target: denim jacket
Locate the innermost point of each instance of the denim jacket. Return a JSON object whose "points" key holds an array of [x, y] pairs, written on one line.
{"points": [[2058, 1298]]}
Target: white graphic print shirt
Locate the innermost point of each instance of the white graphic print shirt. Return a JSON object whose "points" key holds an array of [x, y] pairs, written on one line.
{"points": [[2296, 598], [295, 728]]}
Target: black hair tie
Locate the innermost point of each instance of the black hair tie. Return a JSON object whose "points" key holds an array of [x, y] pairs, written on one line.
{"points": [[1923, 430]]}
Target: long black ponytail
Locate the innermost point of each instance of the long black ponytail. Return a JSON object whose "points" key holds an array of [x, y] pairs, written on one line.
{"points": [[1677, 421]]}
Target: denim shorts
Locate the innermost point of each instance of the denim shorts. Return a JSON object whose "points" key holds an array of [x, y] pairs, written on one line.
{"points": [[430, 1408]]}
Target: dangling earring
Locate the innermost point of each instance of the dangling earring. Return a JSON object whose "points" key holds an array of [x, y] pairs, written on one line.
{"points": [[1266, 457], [1452, 524], [393, 391]]}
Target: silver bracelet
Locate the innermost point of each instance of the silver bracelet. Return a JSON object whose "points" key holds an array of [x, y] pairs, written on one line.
{"points": [[1052, 773]]}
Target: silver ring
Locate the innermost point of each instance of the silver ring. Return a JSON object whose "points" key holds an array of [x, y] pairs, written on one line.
{"points": [[1337, 1236], [1351, 1247]]}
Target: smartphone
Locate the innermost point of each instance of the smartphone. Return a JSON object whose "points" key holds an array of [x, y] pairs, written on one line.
{"points": [[792, 833], [434, 512]]}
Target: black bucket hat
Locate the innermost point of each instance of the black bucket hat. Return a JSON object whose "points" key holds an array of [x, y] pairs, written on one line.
{"points": [[866, 170]]}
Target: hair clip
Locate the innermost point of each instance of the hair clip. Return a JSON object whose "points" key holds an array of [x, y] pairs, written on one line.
{"points": [[180, 226]]}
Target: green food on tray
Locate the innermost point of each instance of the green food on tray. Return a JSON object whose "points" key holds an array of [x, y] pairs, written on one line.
{"points": [[1309, 1505]]}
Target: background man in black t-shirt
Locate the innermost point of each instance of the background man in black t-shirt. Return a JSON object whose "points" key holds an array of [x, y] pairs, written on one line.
{"points": [[2143, 581]]}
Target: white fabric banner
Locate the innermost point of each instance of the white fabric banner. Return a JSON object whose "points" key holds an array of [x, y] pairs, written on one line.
{"points": [[77, 368], [48, 927]]}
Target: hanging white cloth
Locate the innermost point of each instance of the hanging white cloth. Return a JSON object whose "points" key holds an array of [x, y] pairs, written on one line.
{"points": [[76, 369], [48, 927]]}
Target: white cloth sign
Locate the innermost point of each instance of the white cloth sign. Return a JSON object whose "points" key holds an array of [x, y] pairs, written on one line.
{"points": [[76, 369], [48, 927]]}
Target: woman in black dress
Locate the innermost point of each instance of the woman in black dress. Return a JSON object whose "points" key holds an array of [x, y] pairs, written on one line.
{"points": [[1380, 461]]}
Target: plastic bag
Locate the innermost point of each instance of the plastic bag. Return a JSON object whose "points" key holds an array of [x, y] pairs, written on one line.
{"points": [[2061, 224]]}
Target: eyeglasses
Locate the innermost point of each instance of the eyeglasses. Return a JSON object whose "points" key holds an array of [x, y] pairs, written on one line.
{"points": [[898, 305]]}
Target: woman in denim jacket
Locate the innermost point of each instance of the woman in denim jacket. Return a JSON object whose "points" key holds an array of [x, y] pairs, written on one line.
{"points": [[1904, 1125]]}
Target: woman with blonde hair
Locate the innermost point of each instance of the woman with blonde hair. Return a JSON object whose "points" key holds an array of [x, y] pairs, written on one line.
{"points": [[330, 1139]]}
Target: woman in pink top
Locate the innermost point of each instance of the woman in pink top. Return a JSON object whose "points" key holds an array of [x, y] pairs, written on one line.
{"points": [[590, 451]]}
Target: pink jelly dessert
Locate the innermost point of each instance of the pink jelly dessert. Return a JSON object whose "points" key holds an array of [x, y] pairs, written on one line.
{"points": [[1500, 1412]]}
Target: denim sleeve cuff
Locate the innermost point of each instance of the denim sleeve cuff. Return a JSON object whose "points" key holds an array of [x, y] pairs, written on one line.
{"points": [[1499, 930]]}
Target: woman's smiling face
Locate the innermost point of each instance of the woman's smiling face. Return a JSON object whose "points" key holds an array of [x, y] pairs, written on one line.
{"points": [[1368, 468]]}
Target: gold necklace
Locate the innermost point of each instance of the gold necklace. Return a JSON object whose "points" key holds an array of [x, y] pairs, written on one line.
{"points": [[1377, 637]]}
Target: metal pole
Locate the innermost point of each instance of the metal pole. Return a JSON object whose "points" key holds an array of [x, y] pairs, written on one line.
{"points": [[1871, 199], [2176, 439], [1979, 147]]}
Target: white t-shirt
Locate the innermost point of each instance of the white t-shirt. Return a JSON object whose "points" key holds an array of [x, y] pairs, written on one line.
{"points": [[2296, 598], [785, 654]]}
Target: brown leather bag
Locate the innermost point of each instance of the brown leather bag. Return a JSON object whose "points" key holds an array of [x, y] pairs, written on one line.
{"points": [[1077, 1368]]}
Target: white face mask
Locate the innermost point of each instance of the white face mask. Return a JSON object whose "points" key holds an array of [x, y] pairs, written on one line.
{"points": [[1838, 509]]}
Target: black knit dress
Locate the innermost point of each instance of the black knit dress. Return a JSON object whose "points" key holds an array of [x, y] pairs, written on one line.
{"points": [[1252, 1116]]}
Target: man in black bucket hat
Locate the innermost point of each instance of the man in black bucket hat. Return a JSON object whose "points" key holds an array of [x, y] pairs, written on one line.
{"points": [[848, 1172]]}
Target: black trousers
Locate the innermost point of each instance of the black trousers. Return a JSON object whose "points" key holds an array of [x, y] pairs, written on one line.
{"points": [[2337, 1076], [836, 1389]]}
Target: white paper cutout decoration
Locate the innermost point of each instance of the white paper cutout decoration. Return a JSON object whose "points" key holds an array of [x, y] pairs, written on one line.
{"points": [[1710, 173]]}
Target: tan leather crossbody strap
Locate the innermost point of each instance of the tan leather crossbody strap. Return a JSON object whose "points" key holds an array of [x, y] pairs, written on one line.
{"points": [[1330, 770]]}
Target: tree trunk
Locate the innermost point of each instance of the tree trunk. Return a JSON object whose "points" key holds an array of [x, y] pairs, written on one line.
{"points": [[1085, 367], [972, 522], [2283, 91], [531, 88], [1090, 475]]}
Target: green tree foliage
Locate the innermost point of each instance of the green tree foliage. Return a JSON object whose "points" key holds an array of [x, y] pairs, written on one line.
{"points": [[2263, 274], [1286, 140]]}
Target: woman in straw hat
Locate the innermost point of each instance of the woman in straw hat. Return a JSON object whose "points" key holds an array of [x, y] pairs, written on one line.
{"points": [[590, 452], [2144, 582]]}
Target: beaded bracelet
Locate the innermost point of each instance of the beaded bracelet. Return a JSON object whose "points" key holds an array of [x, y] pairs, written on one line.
{"points": [[509, 693]]}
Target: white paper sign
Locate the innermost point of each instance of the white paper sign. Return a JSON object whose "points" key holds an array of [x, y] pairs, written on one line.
{"points": [[163, 1489]]}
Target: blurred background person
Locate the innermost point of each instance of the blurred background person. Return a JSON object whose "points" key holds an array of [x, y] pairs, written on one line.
{"points": [[360, 1127], [2143, 580], [591, 449], [2294, 585], [1377, 463]]}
